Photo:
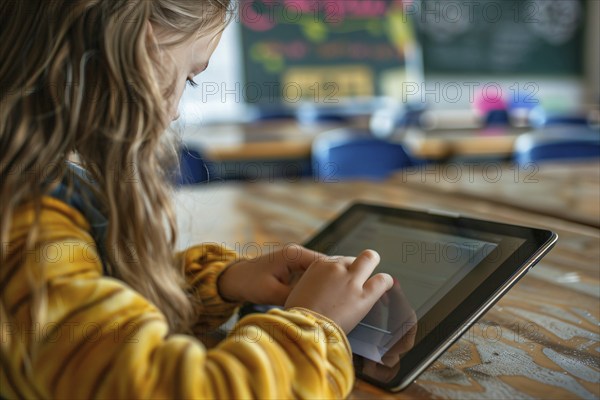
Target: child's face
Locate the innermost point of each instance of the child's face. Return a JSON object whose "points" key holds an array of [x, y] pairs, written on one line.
{"points": [[191, 58]]}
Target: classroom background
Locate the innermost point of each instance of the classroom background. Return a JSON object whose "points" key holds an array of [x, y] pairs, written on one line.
{"points": [[297, 86]]}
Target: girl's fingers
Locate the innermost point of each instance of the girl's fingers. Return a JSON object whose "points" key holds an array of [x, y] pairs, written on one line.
{"points": [[377, 285], [365, 264], [300, 258]]}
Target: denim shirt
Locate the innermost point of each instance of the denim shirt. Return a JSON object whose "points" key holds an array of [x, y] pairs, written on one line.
{"points": [[81, 198]]}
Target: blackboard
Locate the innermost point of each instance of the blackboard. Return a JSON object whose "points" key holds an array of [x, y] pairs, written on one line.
{"points": [[501, 37], [322, 50], [327, 50]]}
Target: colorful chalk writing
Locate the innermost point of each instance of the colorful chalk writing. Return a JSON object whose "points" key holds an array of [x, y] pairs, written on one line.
{"points": [[313, 36]]}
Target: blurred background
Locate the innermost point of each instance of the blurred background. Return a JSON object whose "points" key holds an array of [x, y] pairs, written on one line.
{"points": [[361, 88]]}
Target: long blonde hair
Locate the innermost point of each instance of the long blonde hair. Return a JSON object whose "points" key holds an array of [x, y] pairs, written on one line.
{"points": [[81, 77]]}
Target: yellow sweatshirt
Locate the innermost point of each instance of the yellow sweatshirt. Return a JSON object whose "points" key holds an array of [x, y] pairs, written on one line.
{"points": [[104, 340]]}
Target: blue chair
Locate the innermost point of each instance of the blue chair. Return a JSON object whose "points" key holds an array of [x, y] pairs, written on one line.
{"points": [[497, 118], [192, 168], [344, 154], [557, 143], [539, 118]]}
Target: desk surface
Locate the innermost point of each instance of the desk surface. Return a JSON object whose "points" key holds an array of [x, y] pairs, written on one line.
{"points": [[540, 340], [569, 190]]}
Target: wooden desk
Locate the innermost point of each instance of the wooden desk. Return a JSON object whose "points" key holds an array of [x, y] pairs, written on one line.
{"points": [[444, 144], [569, 190], [286, 139], [264, 140], [540, 340]]}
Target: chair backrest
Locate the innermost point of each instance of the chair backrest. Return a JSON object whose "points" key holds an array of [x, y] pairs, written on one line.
{"points": [[539, 118], [497, 118], [193, 169], [557, 143], [343, 154]]}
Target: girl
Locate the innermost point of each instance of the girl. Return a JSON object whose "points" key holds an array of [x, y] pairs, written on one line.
{"points": [[93, 300]]}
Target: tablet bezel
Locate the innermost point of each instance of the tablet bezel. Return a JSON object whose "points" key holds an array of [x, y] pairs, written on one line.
{"points": [[503, 274]]}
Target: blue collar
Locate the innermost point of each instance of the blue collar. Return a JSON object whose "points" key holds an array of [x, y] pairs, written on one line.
{"points": [[81, 198]]}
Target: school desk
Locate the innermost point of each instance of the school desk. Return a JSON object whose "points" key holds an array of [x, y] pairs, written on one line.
{"points": [[541, 340], [568, 190], [289, 140]]}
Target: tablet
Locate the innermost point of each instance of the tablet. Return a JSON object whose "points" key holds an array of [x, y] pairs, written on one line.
{"points": [[447, 269]]}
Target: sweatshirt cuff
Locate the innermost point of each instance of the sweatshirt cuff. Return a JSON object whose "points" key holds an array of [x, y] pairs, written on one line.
{"points": [[203, 265], [329, 325]]}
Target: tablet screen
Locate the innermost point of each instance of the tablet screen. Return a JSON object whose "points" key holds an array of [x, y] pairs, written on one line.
{"points": [[425, 265], [438, 264]]}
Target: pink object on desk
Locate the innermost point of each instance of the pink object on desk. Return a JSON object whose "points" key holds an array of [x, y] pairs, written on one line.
{"points": [[488, 99]]}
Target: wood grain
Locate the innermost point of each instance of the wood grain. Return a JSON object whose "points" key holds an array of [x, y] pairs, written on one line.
{"points": [[541, 340]]}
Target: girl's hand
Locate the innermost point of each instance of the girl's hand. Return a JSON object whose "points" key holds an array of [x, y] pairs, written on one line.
{"points": [[340, 288], [267, 279]]}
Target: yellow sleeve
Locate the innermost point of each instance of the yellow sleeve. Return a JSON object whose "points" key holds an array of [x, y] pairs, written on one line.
{"points": [[203, 264], [101, 339]]}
